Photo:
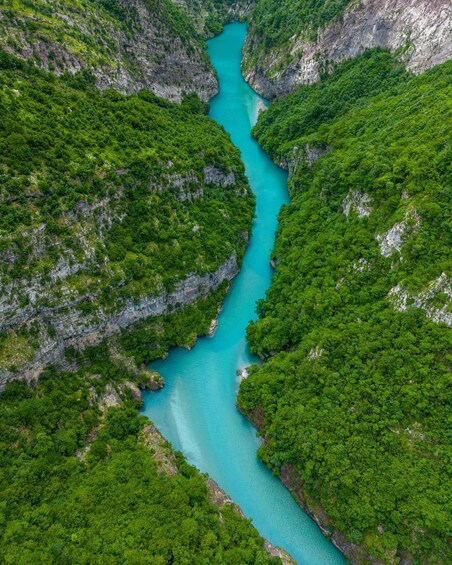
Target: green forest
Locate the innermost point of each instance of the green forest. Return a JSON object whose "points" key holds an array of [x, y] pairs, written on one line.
{"points": [[354, 392], [82, 482]]}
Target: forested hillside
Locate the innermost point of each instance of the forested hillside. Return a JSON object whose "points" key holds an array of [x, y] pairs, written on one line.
{"points": [[106, 200], [85, 479], [353, 398], [280, 21]]}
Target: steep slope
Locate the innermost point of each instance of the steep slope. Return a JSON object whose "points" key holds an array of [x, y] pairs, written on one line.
{"points": [[113, 209], [294, 42], [127, 45], [353, 399]]}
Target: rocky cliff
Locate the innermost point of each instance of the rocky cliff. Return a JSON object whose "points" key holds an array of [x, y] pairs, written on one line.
{"points": [[64, 326], [419, 31], [126, 44]]}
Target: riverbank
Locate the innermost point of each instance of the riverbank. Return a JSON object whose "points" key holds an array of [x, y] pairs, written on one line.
{"points": [[196, 409]]}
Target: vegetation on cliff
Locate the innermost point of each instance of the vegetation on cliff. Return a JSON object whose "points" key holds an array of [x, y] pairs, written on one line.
{"points": [[354, 388], [105, 197], [294, 42], [85, 479], [127, 45], [275, 23], [209, 16]]}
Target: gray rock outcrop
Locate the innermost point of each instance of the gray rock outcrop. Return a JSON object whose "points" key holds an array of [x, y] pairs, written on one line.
{"points": [[144, 49], [72, 328], [393, 240], [357, 202], [427, 299], [419, 30]]}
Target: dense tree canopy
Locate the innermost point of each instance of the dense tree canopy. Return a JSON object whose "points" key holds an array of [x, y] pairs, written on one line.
{"points": [[355, 385], [138, 159], [112, 502]]}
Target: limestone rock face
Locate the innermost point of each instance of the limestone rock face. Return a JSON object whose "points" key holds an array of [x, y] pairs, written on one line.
{"points": [[72, 328], [306, 155], [214, 176], [110, 398], [140, 48], [132, 390], [149, 379], [357, 202], [279, 552], [393, 240], [420, 30], [427, 299]]}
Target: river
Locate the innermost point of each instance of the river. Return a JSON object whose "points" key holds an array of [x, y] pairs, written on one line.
{"points": [[196, 409]]}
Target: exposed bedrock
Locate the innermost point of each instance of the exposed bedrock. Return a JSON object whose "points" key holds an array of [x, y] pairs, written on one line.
{"points": [[71, 327], [419, 30]]}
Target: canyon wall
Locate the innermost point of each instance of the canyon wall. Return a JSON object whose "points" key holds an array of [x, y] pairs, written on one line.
{"points": [[419, 31], [127, 46], [70, 327]]}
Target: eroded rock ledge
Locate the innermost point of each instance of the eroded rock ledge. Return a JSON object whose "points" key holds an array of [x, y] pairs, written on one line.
{"points": [[71, 327]]}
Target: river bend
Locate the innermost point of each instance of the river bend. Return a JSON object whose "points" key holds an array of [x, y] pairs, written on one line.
{"points": [[196, 409]]}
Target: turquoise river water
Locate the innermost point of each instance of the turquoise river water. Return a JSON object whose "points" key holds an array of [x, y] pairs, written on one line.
{"points": [[196, 409]]}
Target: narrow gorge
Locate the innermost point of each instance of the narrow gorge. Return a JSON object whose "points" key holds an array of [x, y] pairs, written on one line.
{"points": [[196, 409], [225, 320]]}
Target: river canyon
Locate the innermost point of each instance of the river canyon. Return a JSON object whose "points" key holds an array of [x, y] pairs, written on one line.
{"points": [[196, 410]]}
